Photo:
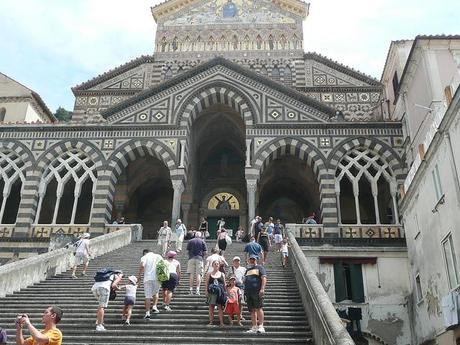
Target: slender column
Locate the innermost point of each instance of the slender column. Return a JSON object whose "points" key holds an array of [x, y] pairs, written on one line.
{"points": [[356, 194], [251, 186], [248, 153], [178, 187], [395, 207], [75, 204], [5, 197], [56, 208], [41, 195], [339, 211], [376, 207], [182, 154]]}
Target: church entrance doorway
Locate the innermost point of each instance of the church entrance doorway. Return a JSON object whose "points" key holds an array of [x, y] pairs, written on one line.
{"points": [[231, 224], [144, 195], [218, 184], [288, 191]]}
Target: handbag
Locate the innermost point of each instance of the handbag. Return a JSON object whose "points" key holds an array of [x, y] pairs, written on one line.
{"points": [[113, 294], [228, 239], [206, 234]]}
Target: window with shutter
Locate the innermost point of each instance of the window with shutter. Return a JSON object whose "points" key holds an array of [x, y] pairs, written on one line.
{"points": [[348, 280]]}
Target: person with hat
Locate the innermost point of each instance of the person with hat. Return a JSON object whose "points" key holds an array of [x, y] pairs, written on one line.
{"points": [[170, 285], [239, 271], [232, 308], [254, 291], [130, 298], [82, 254]]}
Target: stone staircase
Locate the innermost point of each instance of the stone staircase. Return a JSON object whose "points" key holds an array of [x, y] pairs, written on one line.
{"points": [[285, 318]]}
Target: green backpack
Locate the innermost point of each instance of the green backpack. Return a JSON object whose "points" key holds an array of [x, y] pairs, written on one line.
{"points": [[162, 271]]}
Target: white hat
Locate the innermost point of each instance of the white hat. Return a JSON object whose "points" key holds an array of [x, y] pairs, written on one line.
{"points": [[132, 279], [86, 235], [236, 258]]}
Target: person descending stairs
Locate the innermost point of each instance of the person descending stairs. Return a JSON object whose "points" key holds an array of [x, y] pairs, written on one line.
{"points": [[186, 322]]}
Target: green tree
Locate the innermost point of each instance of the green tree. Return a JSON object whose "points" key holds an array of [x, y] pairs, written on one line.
{"points": [[63, 115]]}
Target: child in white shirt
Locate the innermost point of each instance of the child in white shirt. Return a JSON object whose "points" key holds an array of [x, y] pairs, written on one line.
{"points": [[130, 298], [284, 252]]}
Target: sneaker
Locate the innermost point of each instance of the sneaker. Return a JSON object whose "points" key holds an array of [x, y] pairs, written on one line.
{"points": [[252, 330], [197, 292], [147, 316], [261, 329], [100, 328], [155, 310], [168, 308], [74, 276], [190, 292], [127, 323], [83, 274]]}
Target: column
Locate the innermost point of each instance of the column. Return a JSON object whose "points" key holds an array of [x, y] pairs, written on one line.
{"points": [[185, 212], [356, 194], [178, 187], [248, 153], [251, 186], [182, 154], [376, 201], [339, 211]]}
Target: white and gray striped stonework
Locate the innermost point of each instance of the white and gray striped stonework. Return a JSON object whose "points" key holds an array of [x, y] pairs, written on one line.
{"points": [[116, 164]]}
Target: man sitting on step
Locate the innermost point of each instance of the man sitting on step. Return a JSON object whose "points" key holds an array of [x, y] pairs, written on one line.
{"points": [[51, 335]]}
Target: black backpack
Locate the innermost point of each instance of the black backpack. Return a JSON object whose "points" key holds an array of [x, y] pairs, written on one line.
{"points": [[104, 274]]}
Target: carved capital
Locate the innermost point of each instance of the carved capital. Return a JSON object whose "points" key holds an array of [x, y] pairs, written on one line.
{"points": [[251, 186], [178, 186]]}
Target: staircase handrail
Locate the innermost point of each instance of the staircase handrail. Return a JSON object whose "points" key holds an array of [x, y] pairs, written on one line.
{"points": [[324, 321], [20, 274]]}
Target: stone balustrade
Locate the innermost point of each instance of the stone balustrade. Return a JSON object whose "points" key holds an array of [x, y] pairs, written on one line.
{"points": [[20, 274], [371, 231], [306, 230]]}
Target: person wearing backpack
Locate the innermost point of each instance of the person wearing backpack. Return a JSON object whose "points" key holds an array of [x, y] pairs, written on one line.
{"points": [[148, 269], [106, 279]]}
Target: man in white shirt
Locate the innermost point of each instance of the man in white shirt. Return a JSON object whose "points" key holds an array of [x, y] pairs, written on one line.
{"points": [[82, 254], [148, 268], [164, 236]]}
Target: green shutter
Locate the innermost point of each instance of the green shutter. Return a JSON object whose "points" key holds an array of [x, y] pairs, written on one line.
{"points": [[357, 288], [339, 282]]}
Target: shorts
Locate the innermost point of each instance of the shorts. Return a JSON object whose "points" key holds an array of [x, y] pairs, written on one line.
{"points": [[285, 254], [171, 283], [151, 287], [195, 266], [264, 243], [254, 301], [278, 238], [232, 309], [222, 244], [102, 296], [81, 258], [129, 300]]}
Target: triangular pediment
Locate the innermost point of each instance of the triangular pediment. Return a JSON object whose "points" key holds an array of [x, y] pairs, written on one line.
{"points": [[214, 82]]}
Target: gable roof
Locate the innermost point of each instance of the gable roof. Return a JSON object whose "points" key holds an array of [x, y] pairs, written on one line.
{"points": [[298, 7], [16, 89], [342, 68], [299, 96], [113, 73]]}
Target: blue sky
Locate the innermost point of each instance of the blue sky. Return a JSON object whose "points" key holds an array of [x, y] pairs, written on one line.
{"points": [[52, 45]]}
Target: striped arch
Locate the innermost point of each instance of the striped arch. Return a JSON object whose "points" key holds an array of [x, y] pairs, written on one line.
{"points": [[115, 166], [216, 93], [379, 147], [308, 152]]}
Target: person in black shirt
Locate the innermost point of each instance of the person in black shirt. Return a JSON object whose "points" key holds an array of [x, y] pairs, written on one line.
{"points": [[254, 290]]}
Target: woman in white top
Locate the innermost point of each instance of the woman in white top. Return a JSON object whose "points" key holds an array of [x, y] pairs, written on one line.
{"points": [[82, 254], [169, 286]]}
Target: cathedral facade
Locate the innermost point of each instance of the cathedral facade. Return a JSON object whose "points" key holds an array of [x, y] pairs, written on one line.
{"points": [[228, 118]]}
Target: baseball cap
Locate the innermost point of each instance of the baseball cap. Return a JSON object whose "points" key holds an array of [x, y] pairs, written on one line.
{"points": [[86, 235], [236, 258], [132, 279], [253, 256], [171, 254]]}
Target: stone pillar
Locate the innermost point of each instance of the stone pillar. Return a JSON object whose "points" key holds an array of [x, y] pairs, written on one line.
{"points": [[182, 154], [185, 212], [356, 194], [178, 187], [251, 186], [248, 153], [103, 197], [375, 194], [28, 205]]}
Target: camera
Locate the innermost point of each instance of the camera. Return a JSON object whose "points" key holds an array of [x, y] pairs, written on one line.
{"points": [[19, 318]]}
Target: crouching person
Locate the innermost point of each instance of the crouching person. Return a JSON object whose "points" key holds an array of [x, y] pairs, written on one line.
{"points": [[106, 280], [51, 335]]}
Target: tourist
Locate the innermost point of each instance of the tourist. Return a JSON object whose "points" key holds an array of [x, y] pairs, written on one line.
{"points": [[164, 237], [196, 251], [130, 299], [239, 271], [311, 219], [278, 233], [215, 293], [169, 286], [220, 223], [239, 234], [50, 335], [3, 337], [101, 290], [204, 227], [252, 225], [284, 252], [180, 230], [82, 254], [265, 243], [253, 248], [254, 290], [147, 268], [257, 227], [215, 255], [222, 239], [232, 307], [270, 226]]}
